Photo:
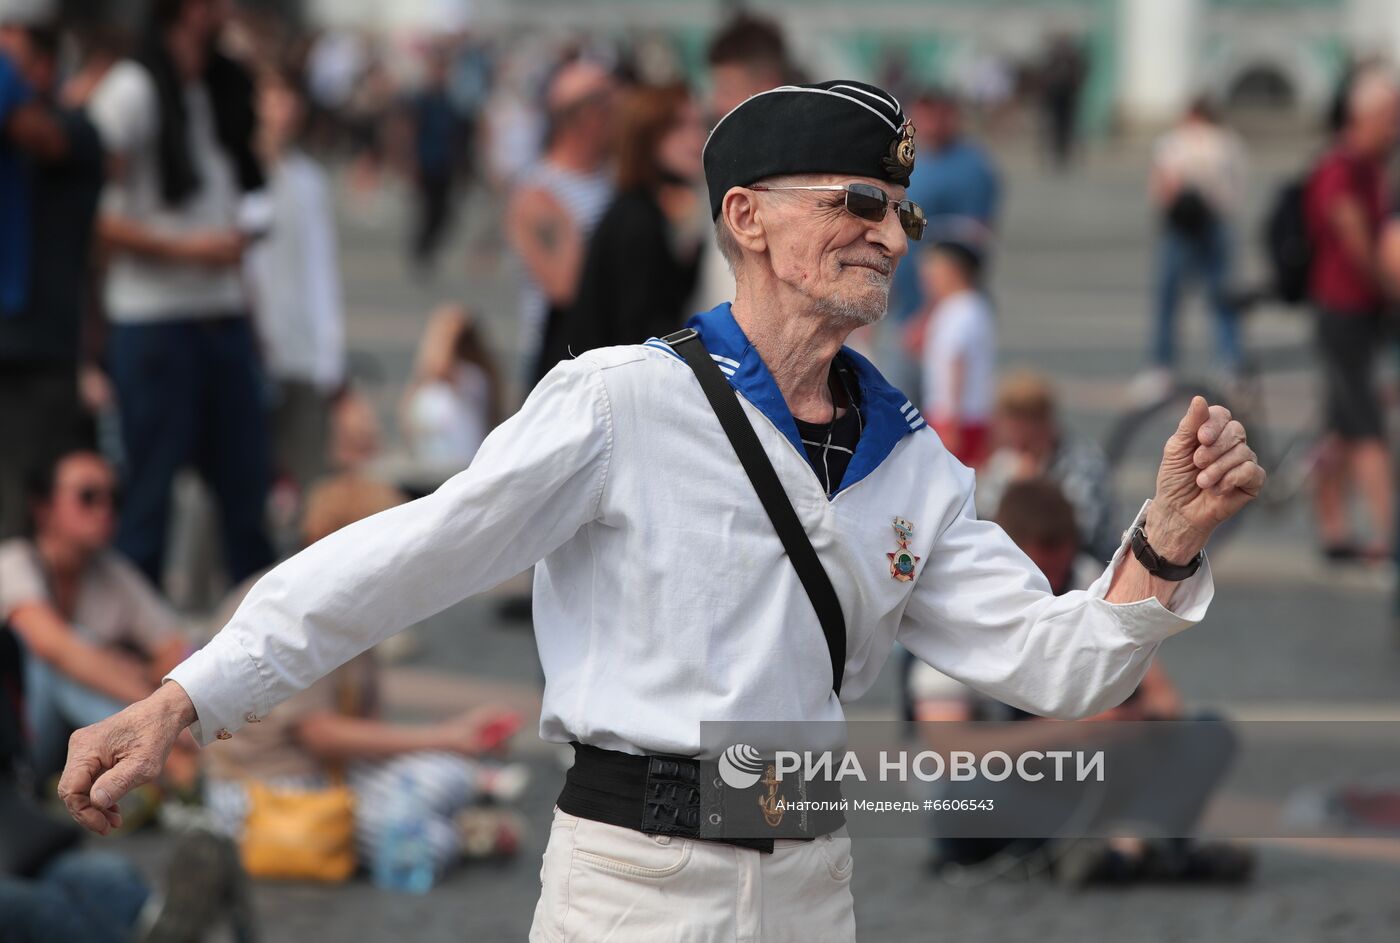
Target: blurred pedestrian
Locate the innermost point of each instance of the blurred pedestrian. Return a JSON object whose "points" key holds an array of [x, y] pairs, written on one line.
{"points": [[182, 350], [439, 146], [97, 635], [367, 115], [293, 274], [59, 164], [1199, 184], [747, 55], [954, 178], [639, 272], [1346, 207], [1060, 79], [1029, 442], [960, 349], [27, 129], [557, 204], [454, 398]]}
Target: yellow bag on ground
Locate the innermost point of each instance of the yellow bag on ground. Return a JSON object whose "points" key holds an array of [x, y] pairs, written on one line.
{"points": [[299, 835]]}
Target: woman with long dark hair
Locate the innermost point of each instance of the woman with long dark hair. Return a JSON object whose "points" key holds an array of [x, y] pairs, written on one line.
{"points": [[642, 261]]}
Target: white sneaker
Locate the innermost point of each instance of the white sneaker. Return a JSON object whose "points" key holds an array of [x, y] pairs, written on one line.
{"points": [[1151, 386]]}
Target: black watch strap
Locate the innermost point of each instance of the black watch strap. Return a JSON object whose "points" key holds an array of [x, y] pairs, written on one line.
{"points": [[1158, 567]]}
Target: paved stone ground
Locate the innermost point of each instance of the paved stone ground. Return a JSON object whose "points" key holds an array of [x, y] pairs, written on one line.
{"points": [[1285, 638]]}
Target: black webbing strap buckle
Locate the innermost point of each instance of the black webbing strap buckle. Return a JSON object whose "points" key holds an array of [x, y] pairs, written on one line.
{"points": [[671, 798]]}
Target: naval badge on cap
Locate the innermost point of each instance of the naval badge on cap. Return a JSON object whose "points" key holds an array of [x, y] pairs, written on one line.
{"points": [[903, 561], [900, 159]]}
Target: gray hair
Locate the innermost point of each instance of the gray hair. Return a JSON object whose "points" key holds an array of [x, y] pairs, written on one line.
{"points": [[728, 246], [724, 236]]}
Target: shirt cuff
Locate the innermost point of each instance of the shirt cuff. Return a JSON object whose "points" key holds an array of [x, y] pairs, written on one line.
{"points": [[1147, 621], [222, 682]]}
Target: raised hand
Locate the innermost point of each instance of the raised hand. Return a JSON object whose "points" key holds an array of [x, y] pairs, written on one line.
{"points": [[1208, 474]]}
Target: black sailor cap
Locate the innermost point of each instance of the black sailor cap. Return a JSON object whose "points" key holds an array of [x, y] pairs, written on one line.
{"points": [[837, 127]]}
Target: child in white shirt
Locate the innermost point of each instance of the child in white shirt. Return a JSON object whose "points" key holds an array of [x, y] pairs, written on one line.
{"points": [[959, 351]]}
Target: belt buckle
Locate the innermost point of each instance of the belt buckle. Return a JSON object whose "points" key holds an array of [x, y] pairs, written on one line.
{"points": [[671, 798]]}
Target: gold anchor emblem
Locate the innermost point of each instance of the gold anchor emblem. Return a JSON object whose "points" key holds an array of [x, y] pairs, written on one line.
{"points": [[900, 159], [772, 812]]}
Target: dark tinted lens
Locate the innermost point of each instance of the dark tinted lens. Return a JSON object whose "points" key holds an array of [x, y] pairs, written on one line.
{"points": [[912, 219], [866, 201]]}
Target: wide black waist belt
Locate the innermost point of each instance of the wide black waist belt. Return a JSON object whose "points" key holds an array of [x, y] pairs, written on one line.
{"points": [[687, 797]]}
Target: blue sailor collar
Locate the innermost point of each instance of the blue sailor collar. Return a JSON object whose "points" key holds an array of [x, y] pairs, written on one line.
{"points": [[886, 414]]}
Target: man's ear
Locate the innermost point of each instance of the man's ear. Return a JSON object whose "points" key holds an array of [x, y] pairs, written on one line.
{"points": [[740, 212]]}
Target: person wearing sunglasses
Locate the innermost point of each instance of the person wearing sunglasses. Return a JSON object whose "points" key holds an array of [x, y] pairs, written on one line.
{"points": [[647, 483], [96, 635]]}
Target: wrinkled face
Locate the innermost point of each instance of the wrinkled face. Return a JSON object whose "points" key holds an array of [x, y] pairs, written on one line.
{"points": [[82, 509], [842, 263]]}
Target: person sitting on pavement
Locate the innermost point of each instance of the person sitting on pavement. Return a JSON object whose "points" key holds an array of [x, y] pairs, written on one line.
{"points": [[1029, 441], [1041, 520], [335, 726], [97, 635]]}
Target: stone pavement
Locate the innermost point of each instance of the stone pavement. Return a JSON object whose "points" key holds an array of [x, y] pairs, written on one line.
{"points": [[1286, 637]]}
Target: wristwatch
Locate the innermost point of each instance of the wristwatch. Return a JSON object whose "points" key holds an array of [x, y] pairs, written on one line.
{"points": [[1155, 565]]}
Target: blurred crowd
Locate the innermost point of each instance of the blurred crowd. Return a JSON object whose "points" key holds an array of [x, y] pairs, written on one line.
{"points": [[171, 312]]}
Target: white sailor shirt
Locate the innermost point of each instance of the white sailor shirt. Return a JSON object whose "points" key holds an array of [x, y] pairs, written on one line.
{"points": [[662, 596]]}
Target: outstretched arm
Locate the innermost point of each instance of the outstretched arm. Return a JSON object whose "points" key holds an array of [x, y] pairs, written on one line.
{"points": [[537, 479]]}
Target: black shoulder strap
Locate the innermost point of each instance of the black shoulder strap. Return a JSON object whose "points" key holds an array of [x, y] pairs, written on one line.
{"points": [[770, 491]]}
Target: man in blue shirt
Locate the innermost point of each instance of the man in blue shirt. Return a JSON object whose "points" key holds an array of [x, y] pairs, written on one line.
{"points": [[15, 101], [953, 177], [955, 181], [51, 170]]}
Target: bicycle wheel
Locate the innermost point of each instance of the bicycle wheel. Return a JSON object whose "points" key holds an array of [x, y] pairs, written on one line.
{"points": [[1134, 447]]}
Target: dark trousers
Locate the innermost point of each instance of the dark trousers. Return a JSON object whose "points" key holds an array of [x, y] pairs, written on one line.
{"points": [[40, 418], [87, 896], [190, 392], [434, 213]]}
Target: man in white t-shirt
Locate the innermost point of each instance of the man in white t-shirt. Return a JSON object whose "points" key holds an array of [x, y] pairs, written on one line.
{"points": [[182, 352], [959, 351]]}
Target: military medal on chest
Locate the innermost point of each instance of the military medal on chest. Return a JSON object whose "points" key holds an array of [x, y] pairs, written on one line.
{"points": [[903, 561]]}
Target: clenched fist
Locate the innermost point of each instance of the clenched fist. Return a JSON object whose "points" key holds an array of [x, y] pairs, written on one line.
{"points": [[110, 758], [1208, 474]]}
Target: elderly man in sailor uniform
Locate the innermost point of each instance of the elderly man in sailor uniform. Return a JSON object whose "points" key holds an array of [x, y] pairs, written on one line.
{"points": [[734, 523]]}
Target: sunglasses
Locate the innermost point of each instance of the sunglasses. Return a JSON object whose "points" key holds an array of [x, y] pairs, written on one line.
{"points": [[868, 202]]}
